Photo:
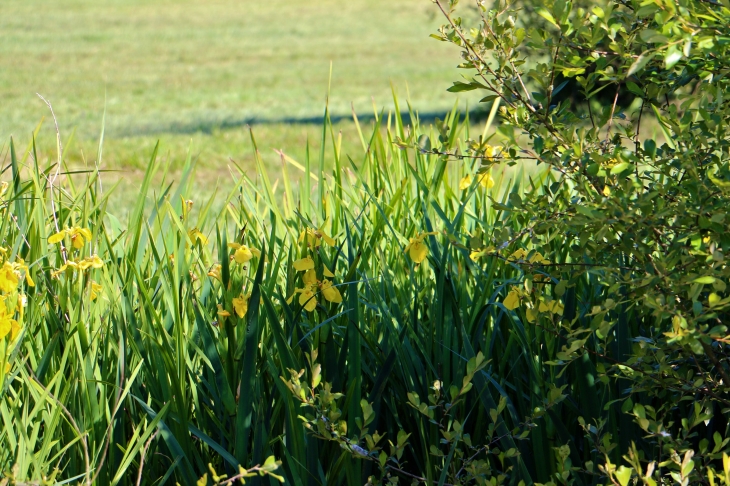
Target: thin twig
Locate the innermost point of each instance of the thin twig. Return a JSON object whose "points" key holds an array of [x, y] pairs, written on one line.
{"points": [[613, 110], [52, 180], [142, 456], [413, 476], [552, 78]]}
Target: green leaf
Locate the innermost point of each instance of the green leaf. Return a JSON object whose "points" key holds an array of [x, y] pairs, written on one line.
{"points": [[634, 88], [623, 474], [459, 87], [672, 57], [619, 168], [704, 280], [640, 63], [653, 37], [547, 16]]}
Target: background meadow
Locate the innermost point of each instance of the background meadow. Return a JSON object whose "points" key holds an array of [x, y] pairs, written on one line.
{"points": [[182, 71]]}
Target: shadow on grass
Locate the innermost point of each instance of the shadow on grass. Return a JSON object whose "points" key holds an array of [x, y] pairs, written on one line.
{"points": [[210, 126]]}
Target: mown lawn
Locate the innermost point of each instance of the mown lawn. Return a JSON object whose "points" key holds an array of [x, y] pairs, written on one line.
{"points": [[192, 70]]}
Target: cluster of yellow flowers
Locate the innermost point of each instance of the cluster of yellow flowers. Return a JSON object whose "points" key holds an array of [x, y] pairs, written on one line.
{"points": [[520, 255], [242, 254], [315, 237], [312, 284], [517, 296], [12, 301], [79, 237], [484, 177]]}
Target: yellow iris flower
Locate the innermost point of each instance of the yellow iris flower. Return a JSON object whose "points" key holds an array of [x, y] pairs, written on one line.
{"points": [[553, 307], [89, 262], [79, 236], [243, 253], [538, 258], [222, 313], [484, 179], [309, 277], [303, 264], [477, 254], [96, 289], [8, 278], [8, 325], [306, 297], [195, 234], [315, 237], [240, 305], [416, 248], [215, 271], [330, 292], [307, 294], [512, 301]]}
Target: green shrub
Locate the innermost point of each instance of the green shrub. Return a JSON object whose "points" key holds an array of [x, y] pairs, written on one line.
{"points": [[632, 228]]}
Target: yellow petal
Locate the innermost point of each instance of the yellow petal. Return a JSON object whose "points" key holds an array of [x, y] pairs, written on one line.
{"points": [[303, 264], [77, 241], [492, 151], [85, 232], [557, 307], [331, 293], [512, 301], [57, 237], [531, 314], [307, 300], [242, 254], [5, 327], [196, 234], [309, 277], [543, 307], [465, 183], [235, 246], [518, 255], [486, 181], [240, 305], [418, 251], [14, 329], [327, 239], [215, 271], [96, 262], [8, 278], [327, 273]]}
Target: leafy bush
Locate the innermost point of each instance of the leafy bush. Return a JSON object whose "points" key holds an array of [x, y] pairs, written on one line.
{"points": [[640, 222]]}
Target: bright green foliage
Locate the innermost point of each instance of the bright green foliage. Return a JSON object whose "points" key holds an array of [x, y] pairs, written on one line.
{"points": [[422, 314], [184, 338], [631, 228]]}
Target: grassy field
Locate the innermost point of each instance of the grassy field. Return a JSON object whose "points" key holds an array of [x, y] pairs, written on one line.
{"points": [[191, 70]]}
